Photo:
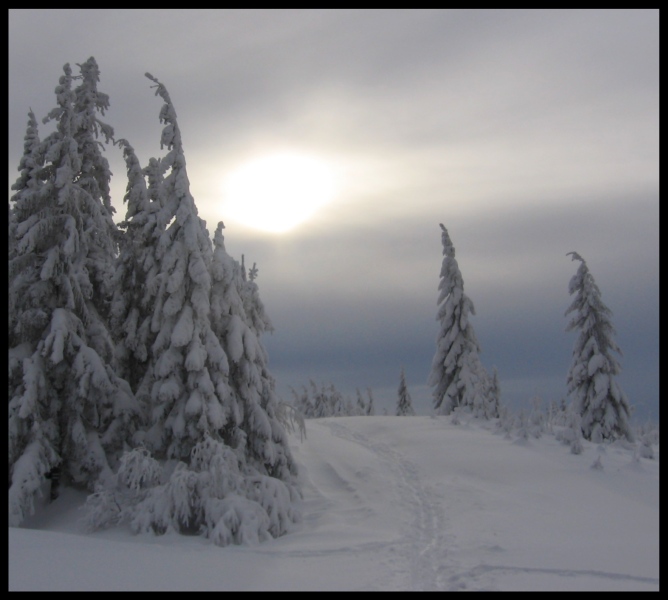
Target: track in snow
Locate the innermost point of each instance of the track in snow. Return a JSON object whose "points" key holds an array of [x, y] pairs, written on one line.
{"points": [[421, 558]]}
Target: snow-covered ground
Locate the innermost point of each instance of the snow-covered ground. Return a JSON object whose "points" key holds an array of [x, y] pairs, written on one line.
{"points": [[394, 503]]}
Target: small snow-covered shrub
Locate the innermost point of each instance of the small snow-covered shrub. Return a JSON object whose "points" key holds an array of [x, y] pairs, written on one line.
{"points": [[138, 470], [645, 449], [280, 501], [292, 419], [110, 505], [597, 465], [522, 426], [537, 418], [236, 520], [215, 495], [102, 510]]}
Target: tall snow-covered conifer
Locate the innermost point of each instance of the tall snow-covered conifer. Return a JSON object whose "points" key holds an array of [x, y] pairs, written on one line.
{"points": [[136, 278], [596, 396], [457, 375], [238, 318], [69, 412], [404, 402], [94, 178], [186, 379]]}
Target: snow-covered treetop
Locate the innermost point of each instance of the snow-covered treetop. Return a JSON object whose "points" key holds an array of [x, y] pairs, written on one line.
{"points": [[91, 100], [171, 135], [588, 300], [448, 247], [136, 194]]}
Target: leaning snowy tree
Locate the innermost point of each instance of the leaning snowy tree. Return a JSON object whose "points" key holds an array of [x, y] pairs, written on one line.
{"points": [[404, 403], [220, 463], [457, 375], [186, 364], [596, 397], [70, 415]]}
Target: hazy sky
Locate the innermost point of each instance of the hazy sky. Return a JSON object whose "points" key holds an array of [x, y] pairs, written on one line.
{"points": [[527, 133]]}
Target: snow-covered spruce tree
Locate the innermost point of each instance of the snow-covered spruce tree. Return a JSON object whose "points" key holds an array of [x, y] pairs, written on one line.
{"points": [[136, 279], [321, 402], [404, 403], [603, 408], [370, 408], [360, 408], [231, 484], [257, 317], [558, 413], [238, 318], [506, 422], [69, 412], [337, 402], [26, 186], [186, 364], [456, 369], [493, 396], [94, 178], [302, 402], [28, 182]]}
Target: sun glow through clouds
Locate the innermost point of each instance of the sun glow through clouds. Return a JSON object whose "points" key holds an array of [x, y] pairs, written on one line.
{"points": [[278, 192]]}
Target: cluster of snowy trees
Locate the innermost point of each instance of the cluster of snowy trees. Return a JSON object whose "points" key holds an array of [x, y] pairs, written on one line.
{"points": [[598, 410], [136, 367], [324, 400]]}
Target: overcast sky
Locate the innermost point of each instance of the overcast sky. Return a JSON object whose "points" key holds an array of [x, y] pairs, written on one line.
{"points": [[527, 133]]}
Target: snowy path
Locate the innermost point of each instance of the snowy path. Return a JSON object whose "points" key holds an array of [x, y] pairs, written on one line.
{"points": [[418, 557]]}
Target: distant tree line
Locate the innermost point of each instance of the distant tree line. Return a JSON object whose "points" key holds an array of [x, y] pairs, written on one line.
{"points": [[325, 400]]}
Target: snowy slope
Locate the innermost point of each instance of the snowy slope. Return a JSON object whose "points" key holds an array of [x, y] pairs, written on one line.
{"points": [[394, 503]]}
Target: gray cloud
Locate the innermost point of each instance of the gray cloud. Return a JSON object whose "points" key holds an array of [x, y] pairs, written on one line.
{"points": [[528, 133]]}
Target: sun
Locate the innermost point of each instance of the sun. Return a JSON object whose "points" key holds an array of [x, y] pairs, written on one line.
{"points": [[279, 191]]}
